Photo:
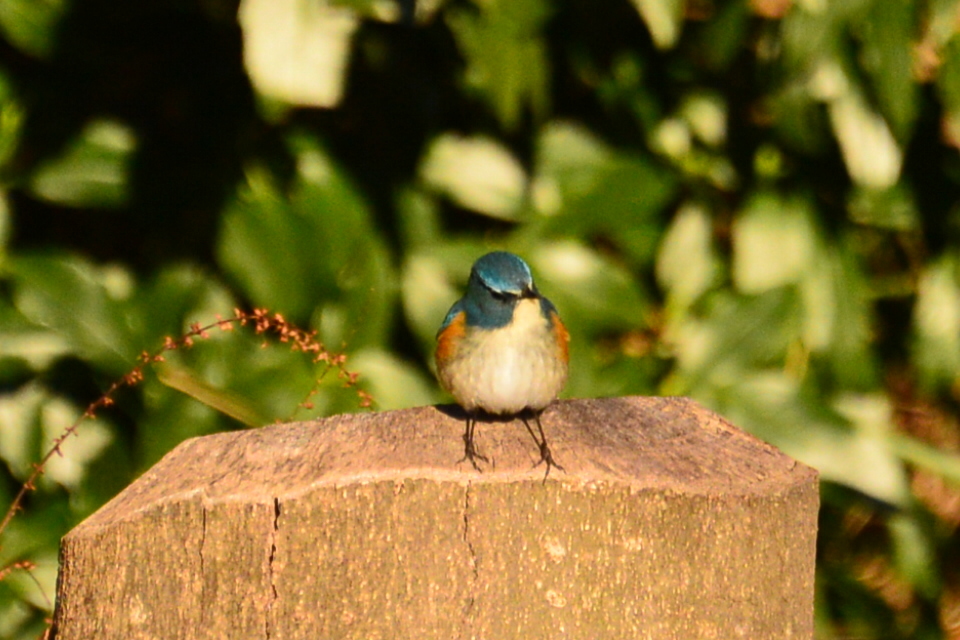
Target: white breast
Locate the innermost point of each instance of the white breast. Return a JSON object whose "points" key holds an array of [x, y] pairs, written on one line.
{"points": [[509, 369]]}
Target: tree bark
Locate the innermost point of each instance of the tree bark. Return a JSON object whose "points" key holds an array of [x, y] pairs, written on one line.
{"points": [[667, 523]]}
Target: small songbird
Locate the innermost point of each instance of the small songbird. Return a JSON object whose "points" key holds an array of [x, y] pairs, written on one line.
{"points": [[502, 349]]}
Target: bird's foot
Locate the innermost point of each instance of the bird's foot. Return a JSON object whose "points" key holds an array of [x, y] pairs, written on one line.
{"points": [[470, 453], [546, 457]]}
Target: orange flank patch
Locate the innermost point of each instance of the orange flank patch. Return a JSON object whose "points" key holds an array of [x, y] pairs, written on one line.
{"points": [[449, 338], [562, 337]]}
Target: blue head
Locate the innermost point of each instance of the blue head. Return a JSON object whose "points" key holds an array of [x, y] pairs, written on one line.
{"points": [[498, 281], [501, 275]]}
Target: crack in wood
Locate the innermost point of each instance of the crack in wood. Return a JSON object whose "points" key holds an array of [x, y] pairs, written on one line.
{"points": [[471, 600], [268, 632]]}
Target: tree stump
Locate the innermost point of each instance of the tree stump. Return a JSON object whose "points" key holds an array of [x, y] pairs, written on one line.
{"points": [[667, 523]]}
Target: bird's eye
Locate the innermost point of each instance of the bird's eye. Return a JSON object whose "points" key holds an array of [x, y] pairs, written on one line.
{"points": [[502, 296]]}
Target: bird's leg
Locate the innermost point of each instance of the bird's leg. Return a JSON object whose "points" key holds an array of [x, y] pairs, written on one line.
{"points": [[545, 455], [469, 445]]}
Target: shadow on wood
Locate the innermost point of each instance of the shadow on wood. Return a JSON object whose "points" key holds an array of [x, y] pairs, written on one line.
{"points": [[668, 523]]}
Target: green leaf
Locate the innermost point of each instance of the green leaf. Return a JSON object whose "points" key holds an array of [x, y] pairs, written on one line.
{"points": [[724, 37], [507, 63], [418, 218], [838, 316], [170, 418], [296, 51], [177, 296], [31, 24], [68, 469], [870, 152], [33, 418], [893, 208], [799, 120], [264, 245], [427, 296], [945, 464], [24, 341], [227, 403], [936, 342], [774, 242], [21, 436], [477, 173], [847, 441], [93, 170], [808, 35], [393, 383], [686, 263], [735, 335], [915, 554], [590, 291], [311, 249], [583, 187], [664, 19], [83, 304], [887, 34], [706, 115], [948, 87], [882, 474]]}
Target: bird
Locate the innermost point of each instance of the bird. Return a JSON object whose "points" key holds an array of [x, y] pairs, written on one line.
{"points": [[503, 350]]}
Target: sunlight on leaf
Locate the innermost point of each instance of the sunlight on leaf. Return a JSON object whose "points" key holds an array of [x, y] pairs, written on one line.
{"points": [[393, 383], [78, 451], [664, 18], [600, 294], [296, 51], [225, 402], [706, 113], [871, 415], [570, 164], [945, 464], [937, 318], [427, 295], [76, 300], [477, 173], [686, 263], [774, 242], [870, 152], [93, 172], [585, 187], [32, 418], [296, 249], [20, 417], [851, 446]]}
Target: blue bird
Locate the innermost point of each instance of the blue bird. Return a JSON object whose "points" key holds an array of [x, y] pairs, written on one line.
{"points": [[502, 349]]}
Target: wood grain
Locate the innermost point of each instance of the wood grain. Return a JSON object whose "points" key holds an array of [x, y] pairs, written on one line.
{"points": [[667, 523]]}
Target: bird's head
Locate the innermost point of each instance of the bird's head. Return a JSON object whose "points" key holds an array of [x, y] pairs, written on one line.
{"points": [[498, 281]]}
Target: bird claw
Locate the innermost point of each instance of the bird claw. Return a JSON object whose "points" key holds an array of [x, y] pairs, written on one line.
{"points": [[470, 453], [546, 457]]}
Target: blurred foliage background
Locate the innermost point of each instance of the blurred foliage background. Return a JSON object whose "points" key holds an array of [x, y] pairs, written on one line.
{"points": [[753, 203]]}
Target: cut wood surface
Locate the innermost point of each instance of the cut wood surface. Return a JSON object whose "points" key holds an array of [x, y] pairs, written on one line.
{"points": [[667, 522]]}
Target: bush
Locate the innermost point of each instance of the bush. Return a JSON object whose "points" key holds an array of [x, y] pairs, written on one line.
{"points": [[750, 203]]}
